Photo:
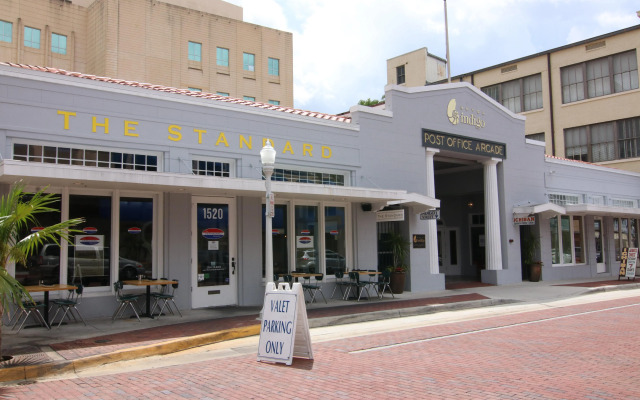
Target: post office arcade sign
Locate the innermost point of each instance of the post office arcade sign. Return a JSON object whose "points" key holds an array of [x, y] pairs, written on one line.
{"points": [[463, 144]]}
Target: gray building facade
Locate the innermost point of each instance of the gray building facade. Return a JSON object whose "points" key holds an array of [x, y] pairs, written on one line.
{"points": [[170, 183]]}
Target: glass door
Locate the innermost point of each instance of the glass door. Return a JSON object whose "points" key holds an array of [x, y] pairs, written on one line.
{"points": [[214, 273]]}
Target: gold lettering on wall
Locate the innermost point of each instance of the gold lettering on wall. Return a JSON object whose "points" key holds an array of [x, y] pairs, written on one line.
{"points": [[96, 124], [129, 128], [66, 114], [174, 133]]}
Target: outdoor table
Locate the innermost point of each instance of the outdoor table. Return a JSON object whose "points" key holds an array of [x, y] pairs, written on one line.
{"points": [[148, 283], [46, 289]]}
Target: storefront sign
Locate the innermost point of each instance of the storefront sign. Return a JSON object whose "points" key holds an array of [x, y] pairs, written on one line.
{"points": [[464, 115], [431, 214], [284, 331], [628, 260], [390, 215], [419, 242], [528, 220], [463, 144]]}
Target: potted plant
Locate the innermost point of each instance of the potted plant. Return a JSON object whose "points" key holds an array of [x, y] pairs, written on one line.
{"points": [[399, 247], [530, 244]]}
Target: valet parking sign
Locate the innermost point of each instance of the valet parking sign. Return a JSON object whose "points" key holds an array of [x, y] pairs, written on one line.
{"points": [[284, 331]]}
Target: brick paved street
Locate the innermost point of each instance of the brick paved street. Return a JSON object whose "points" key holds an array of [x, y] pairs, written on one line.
{"points": [[587, 351]]}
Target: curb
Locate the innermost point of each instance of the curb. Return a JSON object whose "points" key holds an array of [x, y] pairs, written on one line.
{"points": [[30, 372]]}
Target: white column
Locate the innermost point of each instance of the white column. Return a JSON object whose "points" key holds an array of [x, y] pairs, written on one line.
{"points": [[432, 228], [492, 241]]}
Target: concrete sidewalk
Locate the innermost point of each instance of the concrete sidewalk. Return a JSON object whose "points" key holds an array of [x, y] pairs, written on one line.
{"points": [[38, 352]]}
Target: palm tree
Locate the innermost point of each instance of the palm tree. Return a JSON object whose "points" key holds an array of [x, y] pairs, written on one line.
{"points": [[18, 211]]}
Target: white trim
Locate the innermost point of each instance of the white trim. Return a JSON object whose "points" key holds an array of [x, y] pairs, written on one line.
{"points": [[546, 210], [593, 209]]}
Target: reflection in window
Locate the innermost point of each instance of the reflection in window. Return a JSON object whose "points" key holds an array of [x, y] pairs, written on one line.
{"points": [[306, 233], [44, 264], [567, 239], [136, 238], [335, 240], [279, 238], [89, 257]]}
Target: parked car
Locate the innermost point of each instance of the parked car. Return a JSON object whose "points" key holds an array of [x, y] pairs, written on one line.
{"points": [[88, 264], [306, 260]]}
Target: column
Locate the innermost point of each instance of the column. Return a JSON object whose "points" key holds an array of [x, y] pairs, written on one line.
{"points": [[493, 248], [432, 228]]}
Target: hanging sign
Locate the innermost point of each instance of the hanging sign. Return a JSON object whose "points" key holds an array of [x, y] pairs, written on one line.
{"points": [[284, 331], [430, 214]]}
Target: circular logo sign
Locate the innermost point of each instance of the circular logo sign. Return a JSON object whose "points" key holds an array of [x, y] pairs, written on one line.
{"points": [[134, 230], [89, 240], [90, 230], [213, 233]]}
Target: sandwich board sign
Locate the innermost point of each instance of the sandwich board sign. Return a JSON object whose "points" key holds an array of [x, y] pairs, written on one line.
{"points": [[284, 330]]}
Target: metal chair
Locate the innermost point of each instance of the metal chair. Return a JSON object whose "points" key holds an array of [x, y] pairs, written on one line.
{"points": [[124, 300], [69, 305], [373, 281], [30, 308], [355, 283], [340, 283], [165, 297], [289, 279], [385, 284], [314, 288]]}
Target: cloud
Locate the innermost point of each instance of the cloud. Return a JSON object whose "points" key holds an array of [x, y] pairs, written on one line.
{"points": [[341, 46]]}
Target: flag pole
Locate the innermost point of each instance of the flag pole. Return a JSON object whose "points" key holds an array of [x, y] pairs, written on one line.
{"points": [[446, 29]]}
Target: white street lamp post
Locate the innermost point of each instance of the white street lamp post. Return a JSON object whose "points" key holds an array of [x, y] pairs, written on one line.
{"points": [[268, 159]]}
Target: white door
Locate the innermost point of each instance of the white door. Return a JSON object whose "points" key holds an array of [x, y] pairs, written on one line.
{"points": [[213, 270], [599, 234]]}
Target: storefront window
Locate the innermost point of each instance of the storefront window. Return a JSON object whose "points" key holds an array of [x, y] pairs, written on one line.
{"points": [[616, 237], [335, 240], [567, 240], [555, 241], [44, 264], [625, 234], [89, 257], [279, 237], [577, 240], [306, 232], [136, 238]]}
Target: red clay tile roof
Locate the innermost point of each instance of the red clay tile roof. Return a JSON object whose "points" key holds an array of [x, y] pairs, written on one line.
{"points": [[187, 92]]}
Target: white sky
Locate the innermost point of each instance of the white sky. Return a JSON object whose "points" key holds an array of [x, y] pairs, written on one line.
{"points": [[340, 47]]}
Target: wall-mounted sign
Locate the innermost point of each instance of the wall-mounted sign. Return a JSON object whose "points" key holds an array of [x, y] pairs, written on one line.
{"points": [[463, 144], [464, 115], [528, 220], [419, 241], [390, 215], [430, 214]]}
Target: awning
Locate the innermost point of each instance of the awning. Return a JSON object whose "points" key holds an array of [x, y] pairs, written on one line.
{"points": [[418, 202], [544, 210], [54, 175], [600, 210]]}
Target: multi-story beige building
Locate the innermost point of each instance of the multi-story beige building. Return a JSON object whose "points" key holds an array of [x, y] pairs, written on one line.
{"points": [[201, 45], [580, 99]]}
